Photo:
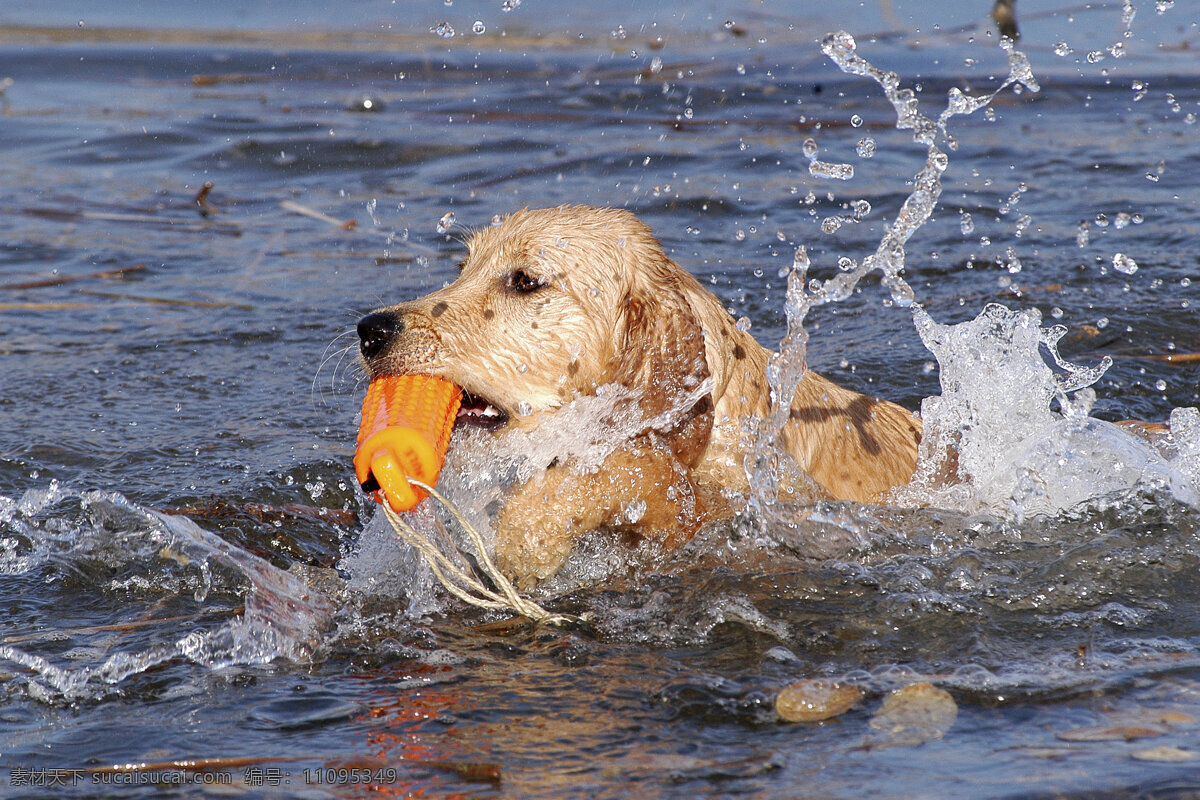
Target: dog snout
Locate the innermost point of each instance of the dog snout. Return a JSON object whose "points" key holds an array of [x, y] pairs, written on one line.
{"points": [[376, 331]]}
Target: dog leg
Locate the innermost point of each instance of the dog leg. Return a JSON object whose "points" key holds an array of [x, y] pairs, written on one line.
{"points": [[641, 487]]}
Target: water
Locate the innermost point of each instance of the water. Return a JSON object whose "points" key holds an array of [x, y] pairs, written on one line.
{"points": [[197, 357]]}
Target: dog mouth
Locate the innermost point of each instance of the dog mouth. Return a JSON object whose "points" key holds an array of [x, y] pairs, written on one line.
{"points": [[479, 413]]}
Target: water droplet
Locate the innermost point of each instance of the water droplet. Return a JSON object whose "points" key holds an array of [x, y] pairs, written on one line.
{"points": [[824, 169], [856, 121], [634, 511], [1083, 234], [838, 46], [446, 222], [1062, 49], [866, 147], [861, 209], [1012, 262], [1161, 385], [831, 224], [1124, 264], [367, 103], [800, 261], [809, 146], [1122, 220], [1095, 57], [1102, 323], [619, 33], [524, 408], [1128, 12], [497, 220], [443, 29], [1102, 220], [509, 5], [845, 263], [478, 27], [740, 235], [966, 224], [743, 324], [902, 294], [1162, 6], [729, 24]]}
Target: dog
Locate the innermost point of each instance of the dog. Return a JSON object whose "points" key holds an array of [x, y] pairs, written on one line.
{"points": [[552, 305]]}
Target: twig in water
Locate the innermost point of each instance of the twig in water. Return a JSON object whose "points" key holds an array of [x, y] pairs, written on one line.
{"points": [[201, 199], [1175, 358], [168, 301], [57, 280], [312, 213]]}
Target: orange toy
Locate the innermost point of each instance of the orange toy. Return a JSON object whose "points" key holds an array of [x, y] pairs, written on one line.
{"points": [[405, 429]]}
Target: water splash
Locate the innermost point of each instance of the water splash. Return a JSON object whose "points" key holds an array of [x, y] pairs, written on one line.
{"points": [[282, 617], [992, 441], [786, 368]]}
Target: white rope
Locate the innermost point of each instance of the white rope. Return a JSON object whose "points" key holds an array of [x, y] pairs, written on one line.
{"points": [[461, 583]]}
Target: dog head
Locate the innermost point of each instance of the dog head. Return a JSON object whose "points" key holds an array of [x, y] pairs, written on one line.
{"points": [[550, 305]]}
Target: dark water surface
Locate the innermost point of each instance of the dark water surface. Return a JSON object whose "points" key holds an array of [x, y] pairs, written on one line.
{"points": [[159, 354]]}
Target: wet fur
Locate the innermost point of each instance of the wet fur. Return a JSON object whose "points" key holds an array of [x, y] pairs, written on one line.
{"points": [[614, 309]]}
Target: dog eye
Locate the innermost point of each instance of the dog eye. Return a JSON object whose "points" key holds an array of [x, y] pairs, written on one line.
{"points": [[523, 282]]}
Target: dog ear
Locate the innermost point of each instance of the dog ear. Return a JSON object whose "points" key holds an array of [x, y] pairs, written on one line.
{"points": [[663, 358]]}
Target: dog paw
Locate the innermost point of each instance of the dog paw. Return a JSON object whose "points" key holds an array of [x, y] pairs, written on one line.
{"points": [[530, 546]]}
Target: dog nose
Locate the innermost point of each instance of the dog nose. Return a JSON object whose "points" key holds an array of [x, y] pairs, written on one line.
{"points": [[376, 331]]}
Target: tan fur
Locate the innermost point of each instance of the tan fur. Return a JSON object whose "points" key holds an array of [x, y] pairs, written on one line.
{"points": [[616, 309]]}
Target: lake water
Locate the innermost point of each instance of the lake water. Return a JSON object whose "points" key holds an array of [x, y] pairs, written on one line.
{"points": [[179, 399]]}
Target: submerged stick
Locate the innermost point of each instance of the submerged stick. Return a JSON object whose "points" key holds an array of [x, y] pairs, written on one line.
{"points": [[58, 280], [1174, 358], [312, 213]]}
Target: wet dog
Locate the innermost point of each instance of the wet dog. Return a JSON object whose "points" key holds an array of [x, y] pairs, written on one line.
{"points": [[551, 305]]}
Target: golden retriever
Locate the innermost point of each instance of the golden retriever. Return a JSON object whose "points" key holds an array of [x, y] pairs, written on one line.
{"points": [[553, 304]]}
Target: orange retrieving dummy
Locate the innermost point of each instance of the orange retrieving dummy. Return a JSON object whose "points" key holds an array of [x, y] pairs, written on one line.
{"points": [[405, 429]]}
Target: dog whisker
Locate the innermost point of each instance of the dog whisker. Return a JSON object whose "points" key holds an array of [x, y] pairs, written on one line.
{"points": [[328, 355]]}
